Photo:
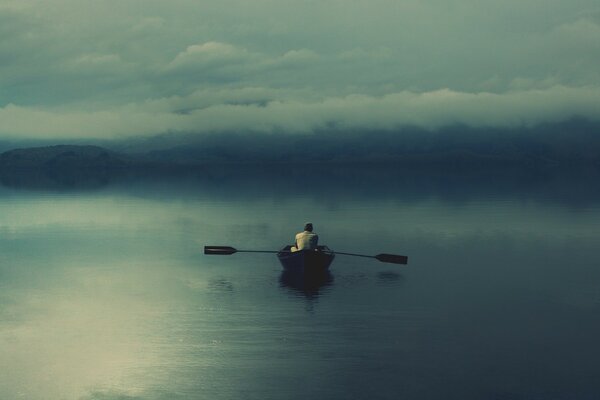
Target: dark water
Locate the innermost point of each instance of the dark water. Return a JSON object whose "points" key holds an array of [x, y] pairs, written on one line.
{"points": [[105, 292]]}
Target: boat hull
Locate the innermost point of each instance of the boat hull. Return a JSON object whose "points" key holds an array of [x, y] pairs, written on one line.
{"points": [[306, 261]]}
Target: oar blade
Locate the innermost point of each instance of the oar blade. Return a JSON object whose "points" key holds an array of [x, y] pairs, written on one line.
{"points": [[392, 258], [219, 250]]}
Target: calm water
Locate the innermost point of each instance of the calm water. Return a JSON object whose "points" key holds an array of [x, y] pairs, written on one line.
{"points": [[105, 293]]}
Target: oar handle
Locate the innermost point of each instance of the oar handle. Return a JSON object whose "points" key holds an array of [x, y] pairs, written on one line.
{"points": [[226, 250], [355, 255], [387, 258], [259, 251]]}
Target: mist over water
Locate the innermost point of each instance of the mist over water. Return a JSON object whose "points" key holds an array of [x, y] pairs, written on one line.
{"points": [[105, 292]]}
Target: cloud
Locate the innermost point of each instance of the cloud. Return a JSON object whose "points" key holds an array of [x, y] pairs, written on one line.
{"points": [[570, 51], [269, 110], [97, 66], [146, 24], [298, 57], [583, 30], [215, 63], [83, 67], [209, 54]]}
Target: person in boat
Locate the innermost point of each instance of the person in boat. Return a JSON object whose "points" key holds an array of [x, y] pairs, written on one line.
{"points": [[307, 240]]}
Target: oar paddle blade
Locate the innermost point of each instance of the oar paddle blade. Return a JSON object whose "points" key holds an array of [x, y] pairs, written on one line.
{"points": [[392, 258], [219, 250]]}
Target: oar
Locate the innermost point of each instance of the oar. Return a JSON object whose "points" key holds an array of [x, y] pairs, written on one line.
{"points": [[383, 257], [226, 250]]}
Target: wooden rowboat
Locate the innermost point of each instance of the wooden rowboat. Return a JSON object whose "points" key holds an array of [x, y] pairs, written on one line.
{"points": [[306, 261]]}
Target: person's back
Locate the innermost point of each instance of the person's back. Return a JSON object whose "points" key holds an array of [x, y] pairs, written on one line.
{"points": [[307, 240]]}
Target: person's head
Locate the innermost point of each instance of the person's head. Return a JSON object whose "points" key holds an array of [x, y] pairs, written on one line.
{"points": [[308, 227]]}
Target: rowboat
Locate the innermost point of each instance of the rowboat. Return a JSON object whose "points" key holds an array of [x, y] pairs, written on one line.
{"points": [[306, 261]]}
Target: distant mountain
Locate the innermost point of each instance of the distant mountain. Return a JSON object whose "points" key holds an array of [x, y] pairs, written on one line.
{"points": [[569, 143], [63, 157], [575, 142]]}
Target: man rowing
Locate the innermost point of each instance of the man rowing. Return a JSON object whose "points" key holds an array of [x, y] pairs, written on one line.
{"points": [[306, 240]]}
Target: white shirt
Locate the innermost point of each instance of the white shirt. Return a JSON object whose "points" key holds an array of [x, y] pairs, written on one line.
{"points": [[307, 240]]}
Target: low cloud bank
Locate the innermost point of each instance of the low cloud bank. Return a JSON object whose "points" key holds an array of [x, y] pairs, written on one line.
{"points": [[574, 142], [267, 110]]}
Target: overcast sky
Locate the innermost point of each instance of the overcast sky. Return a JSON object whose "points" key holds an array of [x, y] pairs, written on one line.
{"points": [[120, 68]]}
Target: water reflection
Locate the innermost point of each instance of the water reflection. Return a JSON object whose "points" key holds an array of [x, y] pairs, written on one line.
{"points": [[328, 183], [310, 286], [60, 180], [220, 285], [106, 293], [389, 278]]}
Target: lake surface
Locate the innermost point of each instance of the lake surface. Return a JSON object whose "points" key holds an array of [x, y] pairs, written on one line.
{"points": [[105, 293]]}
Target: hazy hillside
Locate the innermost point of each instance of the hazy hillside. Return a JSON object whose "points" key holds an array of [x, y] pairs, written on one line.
{"points": [[571, 143], [574, 142], [62, 157]]}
